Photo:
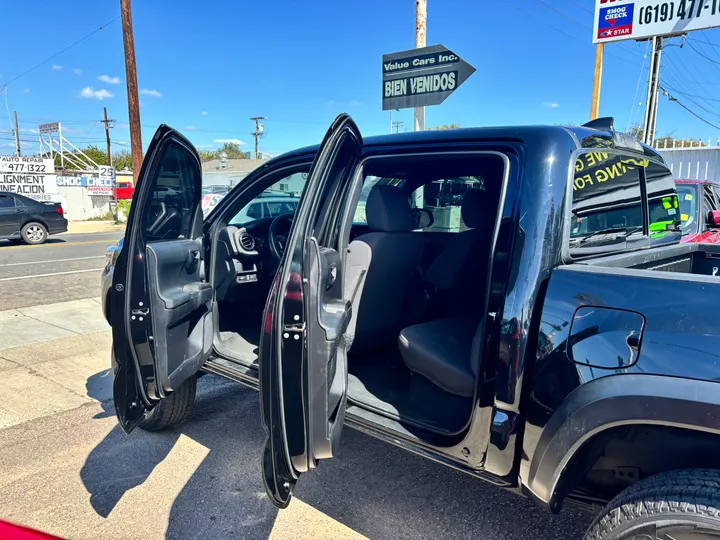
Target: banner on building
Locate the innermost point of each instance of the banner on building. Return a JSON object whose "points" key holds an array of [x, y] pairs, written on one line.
{"points": [[33, 177]]}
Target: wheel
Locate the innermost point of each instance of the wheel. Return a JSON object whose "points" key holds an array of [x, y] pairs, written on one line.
{"points": [[173, 409], [672, 505], [34, 233]]}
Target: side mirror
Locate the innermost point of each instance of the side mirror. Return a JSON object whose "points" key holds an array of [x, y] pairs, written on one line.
{"points": [[424, 218], [713, 219]]}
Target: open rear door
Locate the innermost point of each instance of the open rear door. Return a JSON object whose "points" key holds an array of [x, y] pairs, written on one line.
{"points": [[161, 314], [303, 359]]}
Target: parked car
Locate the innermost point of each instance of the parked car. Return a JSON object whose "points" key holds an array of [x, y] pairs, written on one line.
{"points": [[125, 190], [699, 206], [562, 346], [28, 220]]}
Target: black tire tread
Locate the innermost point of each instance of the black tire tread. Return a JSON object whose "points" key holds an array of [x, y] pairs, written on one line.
{"points": [[173, 409], [687, 493]]}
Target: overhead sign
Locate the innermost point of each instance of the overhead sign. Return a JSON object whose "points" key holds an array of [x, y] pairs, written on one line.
{"points": [[421, 77], [33, 177], [53, 127], [616, 20]]}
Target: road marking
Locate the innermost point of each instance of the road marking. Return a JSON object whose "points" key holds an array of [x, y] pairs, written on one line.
{"points": [[49, 275], [55, 260], [109, 242]]}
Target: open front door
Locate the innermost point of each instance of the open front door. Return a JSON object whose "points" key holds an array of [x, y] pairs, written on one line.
{"points": [[303, 359], [161, 313]]}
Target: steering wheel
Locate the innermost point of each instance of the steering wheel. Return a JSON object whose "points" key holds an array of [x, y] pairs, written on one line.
{"points": [[277, 238]]}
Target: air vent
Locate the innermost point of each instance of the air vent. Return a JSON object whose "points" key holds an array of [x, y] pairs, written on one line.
{"points": [[247, 242]]}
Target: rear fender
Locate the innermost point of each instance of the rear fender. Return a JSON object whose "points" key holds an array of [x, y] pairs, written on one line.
{"points": [[610, 402]]}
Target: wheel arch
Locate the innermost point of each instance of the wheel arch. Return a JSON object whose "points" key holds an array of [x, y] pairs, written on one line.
{"points": [[578, 431]]}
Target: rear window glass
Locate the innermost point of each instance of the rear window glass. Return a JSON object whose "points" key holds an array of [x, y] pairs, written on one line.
{"points": [[608, 204]]}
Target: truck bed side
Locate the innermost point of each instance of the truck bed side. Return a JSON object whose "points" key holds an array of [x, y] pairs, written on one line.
{"points": [[624, 339]]}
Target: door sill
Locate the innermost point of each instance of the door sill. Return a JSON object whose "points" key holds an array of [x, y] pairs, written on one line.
{"points": [[247, 375]]}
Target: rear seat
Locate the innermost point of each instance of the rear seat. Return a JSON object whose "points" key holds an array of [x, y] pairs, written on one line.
{"points": [[446, 351]]}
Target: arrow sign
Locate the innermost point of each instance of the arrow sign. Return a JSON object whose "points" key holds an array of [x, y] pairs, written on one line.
{"points": [[421, 77]]}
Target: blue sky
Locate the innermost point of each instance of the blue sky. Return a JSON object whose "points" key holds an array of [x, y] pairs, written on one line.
{"points": [[207, 67]]}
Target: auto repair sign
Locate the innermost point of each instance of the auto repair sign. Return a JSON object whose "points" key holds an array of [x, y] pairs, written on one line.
{"points": [[33, 177], [616, 20]]}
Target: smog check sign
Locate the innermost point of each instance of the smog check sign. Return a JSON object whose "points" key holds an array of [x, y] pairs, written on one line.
{"points": [[421, 77], [616, 20]]}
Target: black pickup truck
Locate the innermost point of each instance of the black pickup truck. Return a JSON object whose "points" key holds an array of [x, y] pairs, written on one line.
{"points": [[545, 331]]}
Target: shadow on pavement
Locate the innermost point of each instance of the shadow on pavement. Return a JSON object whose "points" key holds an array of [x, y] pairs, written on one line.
{"points": [[375, 489]]}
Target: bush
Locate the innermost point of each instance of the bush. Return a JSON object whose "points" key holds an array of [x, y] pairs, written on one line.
{"points": [[123, 209]]}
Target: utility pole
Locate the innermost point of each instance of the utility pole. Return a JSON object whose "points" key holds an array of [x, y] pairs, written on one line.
{"points": [[397, 125], [108, 125], [420, 40], [257, 133], [652, 93], [17, 135], [597, 81], [132, 88]]}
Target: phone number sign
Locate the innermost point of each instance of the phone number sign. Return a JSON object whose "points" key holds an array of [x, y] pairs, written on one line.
{"points": [[616, 20]]}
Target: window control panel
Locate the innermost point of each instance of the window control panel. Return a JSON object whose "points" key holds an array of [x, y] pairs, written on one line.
{"points": [[246, 278]]}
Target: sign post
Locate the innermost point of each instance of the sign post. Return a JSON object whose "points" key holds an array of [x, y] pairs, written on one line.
{"points": [[422, 77]]}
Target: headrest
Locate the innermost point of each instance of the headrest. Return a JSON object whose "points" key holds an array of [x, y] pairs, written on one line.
{"points": [[387, 209], [473, 208]]}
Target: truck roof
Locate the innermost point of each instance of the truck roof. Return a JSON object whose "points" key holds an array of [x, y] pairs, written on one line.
{"points": [[583, 136], [696, 182]]}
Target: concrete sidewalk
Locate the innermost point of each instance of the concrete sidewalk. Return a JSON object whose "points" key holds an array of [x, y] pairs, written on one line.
{"points": [[86, 227], [53, 358]]}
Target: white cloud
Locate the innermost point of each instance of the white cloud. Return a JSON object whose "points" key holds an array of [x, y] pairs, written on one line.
{"points": [[355, 103], [26, 91], [55, 67], [204, 146], [108, 79], [331, 102], [122, 125], [204, 113], [73, 130], [77, 71], [153, 93], [231, 141], [29, 130], [101, 94], [551, 104], [190, 128]]}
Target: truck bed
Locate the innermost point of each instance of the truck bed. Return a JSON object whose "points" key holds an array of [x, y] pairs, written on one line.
{"points": [[698, 259]]}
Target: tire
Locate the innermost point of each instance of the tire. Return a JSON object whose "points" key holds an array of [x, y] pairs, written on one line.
{"points": [[676, 504], [34, 233], [173, 409]]}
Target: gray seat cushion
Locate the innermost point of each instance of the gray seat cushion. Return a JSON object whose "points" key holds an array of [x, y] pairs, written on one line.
{"points": [[442, 350], [380, 268]]}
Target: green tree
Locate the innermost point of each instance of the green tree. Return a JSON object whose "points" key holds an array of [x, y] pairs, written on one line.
{"points": [[122, 159], [443, 126], [206, 155], [232, 150]]}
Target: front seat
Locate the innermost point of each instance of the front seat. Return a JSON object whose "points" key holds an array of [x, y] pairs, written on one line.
{"points": [[381, 265], [458, 276]]}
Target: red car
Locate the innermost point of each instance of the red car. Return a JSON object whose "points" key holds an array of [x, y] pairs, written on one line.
{"points": [[125, 190], [699, 210]]}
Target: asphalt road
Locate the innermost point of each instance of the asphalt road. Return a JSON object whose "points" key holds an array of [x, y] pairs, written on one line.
{"points": [[67, 267], [76, 474]]}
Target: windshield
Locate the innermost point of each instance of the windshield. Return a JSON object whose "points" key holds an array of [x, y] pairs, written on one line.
{"points": [[688, 195], [280, 198]]}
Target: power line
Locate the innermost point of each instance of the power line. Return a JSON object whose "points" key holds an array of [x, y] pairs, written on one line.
{"points": [[691, 95], [59, 53], [559, 30], [672, 98], [701, 53], [582, 7]]}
